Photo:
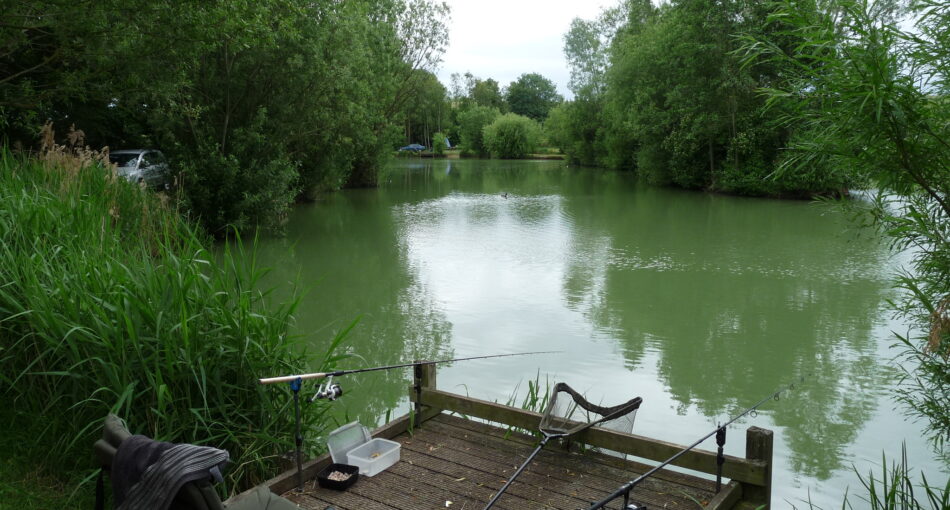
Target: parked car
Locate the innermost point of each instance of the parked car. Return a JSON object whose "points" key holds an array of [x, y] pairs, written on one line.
{"points": [[145, 166]]}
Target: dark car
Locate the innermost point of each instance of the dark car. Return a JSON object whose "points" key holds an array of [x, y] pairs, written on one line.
{"points": [[144, 166]]}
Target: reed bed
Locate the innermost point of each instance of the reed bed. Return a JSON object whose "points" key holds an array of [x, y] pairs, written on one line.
{"points": [[110, 302]]}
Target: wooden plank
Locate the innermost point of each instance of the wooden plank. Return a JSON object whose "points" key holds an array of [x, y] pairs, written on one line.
{"points": [[758, 446], [454, 479], [619, 473], [730, 494], [406, 494], [490, 476], [575, 468], [487, 432], [424, 376], [319, 499], [572, 482], [744, 470], [288, 479]]}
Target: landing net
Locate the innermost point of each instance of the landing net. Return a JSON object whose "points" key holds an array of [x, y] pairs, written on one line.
{"points": [[568, 413]]}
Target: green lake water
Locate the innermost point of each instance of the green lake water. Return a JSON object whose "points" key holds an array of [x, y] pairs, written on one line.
{"points": [[701, 304]]}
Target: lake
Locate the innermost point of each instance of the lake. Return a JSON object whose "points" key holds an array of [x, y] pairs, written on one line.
{"points": [[702, 304]]}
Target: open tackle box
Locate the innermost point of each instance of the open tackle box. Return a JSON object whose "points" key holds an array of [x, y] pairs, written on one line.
{"points": [[352, 444]]}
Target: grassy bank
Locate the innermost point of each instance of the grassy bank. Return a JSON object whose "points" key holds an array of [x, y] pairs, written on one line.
{"points": [[110, 301]]}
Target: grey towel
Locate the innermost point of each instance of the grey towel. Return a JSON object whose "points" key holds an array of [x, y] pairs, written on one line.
{"points": [[147, 474]]}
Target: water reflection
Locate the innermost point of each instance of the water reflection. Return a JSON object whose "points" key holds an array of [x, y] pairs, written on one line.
{"points": [[739, 297], [701, 304], [350, 254]]}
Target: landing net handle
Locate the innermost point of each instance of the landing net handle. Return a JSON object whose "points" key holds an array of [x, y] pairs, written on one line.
{"points": [[553, 426], [624, 490]]}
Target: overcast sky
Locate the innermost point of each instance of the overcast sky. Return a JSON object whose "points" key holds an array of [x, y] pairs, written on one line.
{"points": [[502, 39]]}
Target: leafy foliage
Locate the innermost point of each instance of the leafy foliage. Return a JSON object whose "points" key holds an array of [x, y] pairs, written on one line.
{"points": [[111, 303], [307, 94], [512, 136], [439, 144], [872, 100], [426, 111], [487, 93], [532, 95], [660, 90], [472, 123]]}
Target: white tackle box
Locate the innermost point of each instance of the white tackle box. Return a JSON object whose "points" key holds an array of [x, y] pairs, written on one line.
{"points": [[352, 444]]}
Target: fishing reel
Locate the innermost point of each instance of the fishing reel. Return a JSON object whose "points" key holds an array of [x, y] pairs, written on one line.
{"points": [[328, 390]]}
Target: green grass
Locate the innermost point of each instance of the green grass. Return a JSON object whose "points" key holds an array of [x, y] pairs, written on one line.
{"points": [[24, 484], [110, 302]]}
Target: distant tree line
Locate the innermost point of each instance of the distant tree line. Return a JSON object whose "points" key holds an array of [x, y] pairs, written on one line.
{"points": [[256, 103], [660, 90], [470, 105], [787, 98]]}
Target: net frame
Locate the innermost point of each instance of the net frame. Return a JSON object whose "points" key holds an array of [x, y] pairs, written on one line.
{"points": [[554, 426], [557, 418]]}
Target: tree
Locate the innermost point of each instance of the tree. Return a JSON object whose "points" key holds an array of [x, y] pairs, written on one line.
{"points": [[471, 128], [439, 144], [512, 136], [426, 111], [581, 122], [487, 93], [873, 100], [256, 103], [532, 95], [587, 43], [681, 109]]}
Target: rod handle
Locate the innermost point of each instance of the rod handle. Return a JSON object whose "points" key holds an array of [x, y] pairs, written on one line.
{"points": [[289, 378]]}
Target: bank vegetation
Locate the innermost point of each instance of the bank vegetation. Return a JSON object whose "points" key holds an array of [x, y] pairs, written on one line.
{"points": [[111, 302]]}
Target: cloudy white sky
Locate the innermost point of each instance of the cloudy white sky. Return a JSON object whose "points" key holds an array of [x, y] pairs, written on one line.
{"points": [[503, 39]]}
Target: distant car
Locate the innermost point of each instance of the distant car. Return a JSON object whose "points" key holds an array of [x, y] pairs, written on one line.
{"points": [[414, 147], [144, 166]]}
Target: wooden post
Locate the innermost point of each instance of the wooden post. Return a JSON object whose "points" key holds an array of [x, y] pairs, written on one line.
{"points": [[423, 378], [758, 446]]}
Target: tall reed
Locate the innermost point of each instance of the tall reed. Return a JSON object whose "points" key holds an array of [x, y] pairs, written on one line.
{"points": [[109, 301], [895, 488]]}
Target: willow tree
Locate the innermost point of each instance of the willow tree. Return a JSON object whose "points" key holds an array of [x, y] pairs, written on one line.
{"points": [[872, 98]]}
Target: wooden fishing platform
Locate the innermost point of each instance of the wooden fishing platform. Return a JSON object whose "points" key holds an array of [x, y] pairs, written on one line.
{"points": [[458, 463]]}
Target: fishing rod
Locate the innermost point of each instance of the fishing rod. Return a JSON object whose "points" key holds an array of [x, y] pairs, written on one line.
{"points": [[332, 391], [719, 432], [321, 375]]}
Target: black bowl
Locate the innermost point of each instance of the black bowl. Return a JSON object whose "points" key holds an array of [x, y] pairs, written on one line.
{"points": [[326, 483]]}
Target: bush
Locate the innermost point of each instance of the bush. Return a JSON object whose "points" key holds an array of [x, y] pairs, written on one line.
{"points": [[438, 144], [512, 136], [472, 124], [111, 303], [223, 191]]}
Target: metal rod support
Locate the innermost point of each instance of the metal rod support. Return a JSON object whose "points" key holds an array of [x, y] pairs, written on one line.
{"points": [[298, 435], [720, 458]]}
